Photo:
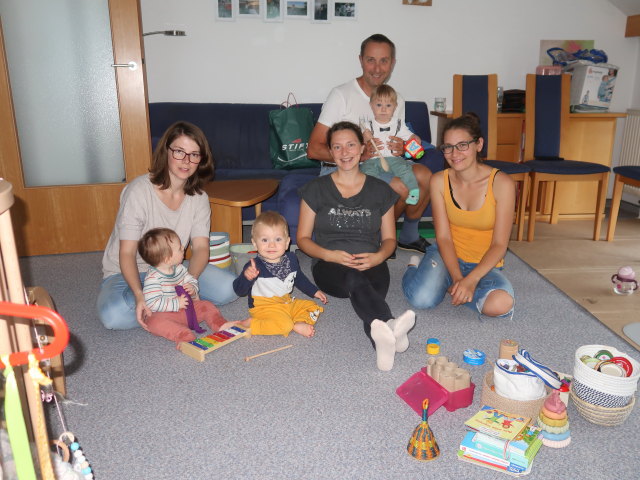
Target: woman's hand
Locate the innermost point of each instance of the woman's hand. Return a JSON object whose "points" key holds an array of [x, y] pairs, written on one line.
{"points": [[342, 257], [142, 312], [365, 261], [462, 291]]}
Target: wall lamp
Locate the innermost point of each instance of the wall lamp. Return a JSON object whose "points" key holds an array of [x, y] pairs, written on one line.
{"points": [[168, 33]]}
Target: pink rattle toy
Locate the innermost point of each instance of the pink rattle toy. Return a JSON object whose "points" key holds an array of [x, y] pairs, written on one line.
{"points": [[624, 282]]}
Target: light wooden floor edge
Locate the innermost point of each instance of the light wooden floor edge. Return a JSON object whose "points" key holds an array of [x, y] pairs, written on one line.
{"points": [[573, 255]]}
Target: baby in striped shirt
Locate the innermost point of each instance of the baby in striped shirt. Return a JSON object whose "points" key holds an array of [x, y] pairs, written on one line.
{"points": [[161, 249]]}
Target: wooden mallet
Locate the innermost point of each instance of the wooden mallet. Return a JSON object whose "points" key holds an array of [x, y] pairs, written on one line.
{"points": [[246, 359]]}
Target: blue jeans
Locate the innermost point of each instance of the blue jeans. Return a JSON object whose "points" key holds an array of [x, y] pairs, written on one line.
{"points": [[117, 305], [426, 285]]}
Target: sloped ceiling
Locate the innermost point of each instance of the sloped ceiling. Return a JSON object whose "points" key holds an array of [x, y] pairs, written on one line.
{"points": [[628, 7]]}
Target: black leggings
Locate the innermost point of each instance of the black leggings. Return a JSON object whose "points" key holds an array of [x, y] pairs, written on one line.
{"points": [[366, 290]]}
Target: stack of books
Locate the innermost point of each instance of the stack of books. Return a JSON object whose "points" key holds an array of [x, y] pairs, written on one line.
{"points": [[500, 441]]}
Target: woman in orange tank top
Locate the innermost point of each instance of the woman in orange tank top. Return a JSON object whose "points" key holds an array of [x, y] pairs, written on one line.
{"points": [[473, 206]]}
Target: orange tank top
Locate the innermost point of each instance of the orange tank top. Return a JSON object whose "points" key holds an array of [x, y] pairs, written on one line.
{"points": [[471, 230]]}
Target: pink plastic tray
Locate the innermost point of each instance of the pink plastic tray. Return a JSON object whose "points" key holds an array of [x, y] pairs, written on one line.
{"points": [[420, 386]]}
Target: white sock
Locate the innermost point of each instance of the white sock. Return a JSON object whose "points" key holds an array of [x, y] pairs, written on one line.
{"points": [[414, 261], [385, 342], [400, 327]]}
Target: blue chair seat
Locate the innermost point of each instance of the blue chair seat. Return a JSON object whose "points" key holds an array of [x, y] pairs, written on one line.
{"points": [[629, 171], [566, 167], [510, 168]]}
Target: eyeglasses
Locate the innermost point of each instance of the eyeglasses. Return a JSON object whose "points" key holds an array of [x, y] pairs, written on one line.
{"points": [[181, 154], [447, 149]]}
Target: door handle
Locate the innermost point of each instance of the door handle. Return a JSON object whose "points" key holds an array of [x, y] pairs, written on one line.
{"points": [[131, 65]]}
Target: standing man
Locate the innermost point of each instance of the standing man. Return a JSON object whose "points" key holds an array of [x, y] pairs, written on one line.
{"points": [[350, 101]]}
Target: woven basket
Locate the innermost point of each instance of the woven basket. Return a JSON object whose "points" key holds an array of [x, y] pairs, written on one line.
{"points": [[618, 386], [607, 417], [530, 408]]}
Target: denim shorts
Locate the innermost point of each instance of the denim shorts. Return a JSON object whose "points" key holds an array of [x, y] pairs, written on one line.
{"points": [[426, 285]]}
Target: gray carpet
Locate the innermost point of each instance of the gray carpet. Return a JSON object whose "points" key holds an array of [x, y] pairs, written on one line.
{"points": [[319, 410]]}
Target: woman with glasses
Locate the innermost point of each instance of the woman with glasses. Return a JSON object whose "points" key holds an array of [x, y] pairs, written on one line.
{"points": [[473, 206], [169, 196]]}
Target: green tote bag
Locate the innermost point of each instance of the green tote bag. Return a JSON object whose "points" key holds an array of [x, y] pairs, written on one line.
{"points": [[289, 130]]}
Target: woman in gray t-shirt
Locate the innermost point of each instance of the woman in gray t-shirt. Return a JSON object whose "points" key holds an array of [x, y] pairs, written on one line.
{"points": [[352, 217], [170, 196]]}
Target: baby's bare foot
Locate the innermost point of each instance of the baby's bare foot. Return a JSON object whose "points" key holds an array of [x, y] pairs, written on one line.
{"points": [[304, 329]]}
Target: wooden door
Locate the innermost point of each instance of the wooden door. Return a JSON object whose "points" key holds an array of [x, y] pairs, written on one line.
{"points": [[79, 218]]}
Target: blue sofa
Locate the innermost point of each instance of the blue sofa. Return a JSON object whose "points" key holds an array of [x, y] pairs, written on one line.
{"points": [[239, 137]]}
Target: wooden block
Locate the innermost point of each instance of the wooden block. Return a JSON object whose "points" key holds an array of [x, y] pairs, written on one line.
{"points": [[203, 345]]}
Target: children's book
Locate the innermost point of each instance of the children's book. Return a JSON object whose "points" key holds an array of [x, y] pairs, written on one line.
{"points": [[488, 464], [494, 461], [496, 423], [526, 441], [473, 443]]}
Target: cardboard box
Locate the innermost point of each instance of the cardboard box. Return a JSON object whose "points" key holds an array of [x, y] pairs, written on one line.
{"points": [[592, 84]]}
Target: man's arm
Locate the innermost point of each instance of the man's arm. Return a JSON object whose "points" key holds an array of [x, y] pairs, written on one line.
{"points": [[318, 148]]}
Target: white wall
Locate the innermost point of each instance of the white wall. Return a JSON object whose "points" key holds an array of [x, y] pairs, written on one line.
{"points": [[252, 61], [635, 103]]}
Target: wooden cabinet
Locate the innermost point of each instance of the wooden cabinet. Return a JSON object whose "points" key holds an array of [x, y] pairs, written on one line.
{"points": [[510, 131]]}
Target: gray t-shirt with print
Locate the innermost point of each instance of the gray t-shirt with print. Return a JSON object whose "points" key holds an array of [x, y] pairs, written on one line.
{"points": [[349, 224]]}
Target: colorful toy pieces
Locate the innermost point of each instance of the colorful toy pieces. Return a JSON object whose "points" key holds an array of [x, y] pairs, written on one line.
{"points": [[413, 149], [198, 348], [554, 422]]}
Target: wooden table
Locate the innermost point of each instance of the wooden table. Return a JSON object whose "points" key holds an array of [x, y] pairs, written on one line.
{"points": [[227, 197]]}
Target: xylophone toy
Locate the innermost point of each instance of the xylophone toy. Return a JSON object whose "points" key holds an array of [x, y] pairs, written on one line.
{"points": [[198, 348]]}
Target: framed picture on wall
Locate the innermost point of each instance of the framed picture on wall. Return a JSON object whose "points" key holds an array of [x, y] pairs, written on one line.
{"points": [[298, 9], [226, 10], [344, 10], [320, 11], [424, 3], [249, 8], [273, 10]]}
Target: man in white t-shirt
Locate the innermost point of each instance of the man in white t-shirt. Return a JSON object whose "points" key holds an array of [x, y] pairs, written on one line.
{"points": [[350, 101]]}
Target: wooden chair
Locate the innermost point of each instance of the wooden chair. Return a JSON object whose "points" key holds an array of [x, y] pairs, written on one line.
{"points": [[479, 94], [546, 119], [625, 175]]}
